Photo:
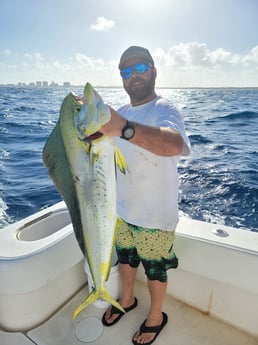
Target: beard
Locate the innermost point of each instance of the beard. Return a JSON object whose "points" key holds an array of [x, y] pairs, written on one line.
{"points": [[139, 89]]}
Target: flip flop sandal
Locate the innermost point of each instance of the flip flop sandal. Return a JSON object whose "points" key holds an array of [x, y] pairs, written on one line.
{"points": [[114, 310], [155, 329]]}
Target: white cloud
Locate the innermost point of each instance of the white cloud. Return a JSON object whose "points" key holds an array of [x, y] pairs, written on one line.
{"points": [[194, 64], [33, 57], [192, 54], [221, 56], [184, 64], [7, 52], [102, 24], [86, 61], [251, 58], [60, 66]]}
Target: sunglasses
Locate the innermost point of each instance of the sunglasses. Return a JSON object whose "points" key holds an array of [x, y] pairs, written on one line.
{"points": [[139, 68]]}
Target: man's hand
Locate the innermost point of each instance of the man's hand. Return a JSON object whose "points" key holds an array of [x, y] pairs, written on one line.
{"points": [[115, 125]]}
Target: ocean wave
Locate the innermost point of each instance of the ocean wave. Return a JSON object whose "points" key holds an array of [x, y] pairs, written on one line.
{"points": [[242, 115], [197, 139], [23, 108], [227, 195], [4, 154], [4, 218]]}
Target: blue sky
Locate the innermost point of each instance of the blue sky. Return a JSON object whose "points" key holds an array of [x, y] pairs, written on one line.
{"points": [[193, 42]]}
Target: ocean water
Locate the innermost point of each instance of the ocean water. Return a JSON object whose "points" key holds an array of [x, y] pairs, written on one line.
{"points": [[218, 181]]}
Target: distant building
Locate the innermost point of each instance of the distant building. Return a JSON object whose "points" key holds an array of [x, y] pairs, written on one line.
{"points": [[40, 83], [53, 84]]}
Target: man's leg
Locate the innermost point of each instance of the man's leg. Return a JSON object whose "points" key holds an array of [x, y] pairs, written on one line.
{"points": [[157, 292], [127, 275]]}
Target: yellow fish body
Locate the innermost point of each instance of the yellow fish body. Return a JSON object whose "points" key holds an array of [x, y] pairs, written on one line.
{"points": [[82, 166]]}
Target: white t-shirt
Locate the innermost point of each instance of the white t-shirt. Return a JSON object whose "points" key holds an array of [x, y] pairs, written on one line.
{"points": [[147, 196]]}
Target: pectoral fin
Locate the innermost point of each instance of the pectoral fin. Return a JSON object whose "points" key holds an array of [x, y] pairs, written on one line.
{"points": [[120, 161]]}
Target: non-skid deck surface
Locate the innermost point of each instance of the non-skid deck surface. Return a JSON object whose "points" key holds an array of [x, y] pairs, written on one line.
{"points": [[7, 338], [186, 326]]}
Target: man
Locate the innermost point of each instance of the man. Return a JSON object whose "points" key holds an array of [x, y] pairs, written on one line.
{"points": [[152, 138]]}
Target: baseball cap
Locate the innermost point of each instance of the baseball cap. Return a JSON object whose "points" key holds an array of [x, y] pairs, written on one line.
{"points": [[135, 51]]}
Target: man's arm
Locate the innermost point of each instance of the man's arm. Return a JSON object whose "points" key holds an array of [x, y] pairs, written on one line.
{"points": [[158, 140]]}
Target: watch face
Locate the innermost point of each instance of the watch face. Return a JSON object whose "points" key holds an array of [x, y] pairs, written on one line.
{"points": [[129, 133]]}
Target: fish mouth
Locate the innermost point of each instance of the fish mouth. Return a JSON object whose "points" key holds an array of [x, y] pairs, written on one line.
{"points": [[94, 136]]}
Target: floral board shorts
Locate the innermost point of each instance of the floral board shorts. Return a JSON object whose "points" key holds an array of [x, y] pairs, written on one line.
{"points": [[152, 247]]}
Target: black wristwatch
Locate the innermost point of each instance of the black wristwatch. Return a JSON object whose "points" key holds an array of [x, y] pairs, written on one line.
{"points": [[128, 131]]}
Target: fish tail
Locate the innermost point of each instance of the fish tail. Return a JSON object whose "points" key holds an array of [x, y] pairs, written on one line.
{"points": [[93, 297]]}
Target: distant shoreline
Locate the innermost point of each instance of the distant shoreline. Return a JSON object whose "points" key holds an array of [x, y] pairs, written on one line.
{"points": [[120, 87]]}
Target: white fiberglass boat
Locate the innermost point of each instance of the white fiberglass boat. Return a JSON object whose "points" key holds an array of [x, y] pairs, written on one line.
{"points": [[212, 296]]}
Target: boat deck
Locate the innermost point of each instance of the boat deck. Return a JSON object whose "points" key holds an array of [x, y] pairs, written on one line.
{"points": [[186, 326]]}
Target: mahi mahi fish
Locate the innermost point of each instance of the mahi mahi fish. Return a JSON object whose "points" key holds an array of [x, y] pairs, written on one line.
{"points": [[81, 162]]}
